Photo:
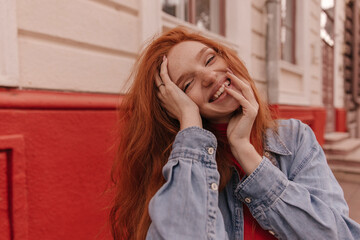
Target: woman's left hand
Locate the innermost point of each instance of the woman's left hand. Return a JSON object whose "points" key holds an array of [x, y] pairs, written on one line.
{"points": [[240, 125]]}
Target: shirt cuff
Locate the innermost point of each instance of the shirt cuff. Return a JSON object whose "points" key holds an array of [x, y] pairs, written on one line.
{"points": [[194, 143], [262, 187]]}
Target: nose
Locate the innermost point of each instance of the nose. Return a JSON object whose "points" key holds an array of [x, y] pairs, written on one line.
{"points": [[207, 77]]}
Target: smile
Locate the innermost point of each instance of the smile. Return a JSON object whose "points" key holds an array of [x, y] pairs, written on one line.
{"points": [[221, 90]]}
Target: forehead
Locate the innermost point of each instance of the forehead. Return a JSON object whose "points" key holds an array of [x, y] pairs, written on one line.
{"points": [[186, 48], [182, 57]]}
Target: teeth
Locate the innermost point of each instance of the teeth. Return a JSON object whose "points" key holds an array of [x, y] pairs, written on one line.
{"points": [[221, 90]]}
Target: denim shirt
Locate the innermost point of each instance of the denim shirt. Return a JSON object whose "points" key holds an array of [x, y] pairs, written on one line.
{"points": [[292, 193]]}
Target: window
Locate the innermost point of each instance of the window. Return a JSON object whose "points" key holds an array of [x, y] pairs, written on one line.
{"points": [[205, 14], [288, 10], [327, 21]]}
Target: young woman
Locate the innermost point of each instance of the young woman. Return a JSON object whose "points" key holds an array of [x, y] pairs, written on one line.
{"points": [[201, 158]]}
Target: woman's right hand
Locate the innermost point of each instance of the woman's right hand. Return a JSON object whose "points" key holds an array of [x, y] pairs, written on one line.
{"points": [[175, 101]]}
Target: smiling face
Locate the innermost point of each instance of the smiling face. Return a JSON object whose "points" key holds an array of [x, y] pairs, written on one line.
{"points": [[201, 73]]}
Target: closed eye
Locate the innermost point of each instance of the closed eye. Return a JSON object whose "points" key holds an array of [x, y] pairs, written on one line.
{"points": [[187, 85], [209, 60]]}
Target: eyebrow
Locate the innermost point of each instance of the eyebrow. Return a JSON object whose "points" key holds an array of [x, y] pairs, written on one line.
{"points": [[190, 74]]}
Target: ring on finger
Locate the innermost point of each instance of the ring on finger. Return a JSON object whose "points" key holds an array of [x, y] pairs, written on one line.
{"points": [[161, 84]]}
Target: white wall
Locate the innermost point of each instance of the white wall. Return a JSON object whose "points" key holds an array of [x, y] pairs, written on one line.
{"points": [[258, 45], [76, 45], [339, 34], [315, 57], [9, 63]]}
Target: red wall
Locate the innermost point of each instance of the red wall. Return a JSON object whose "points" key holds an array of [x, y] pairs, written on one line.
{"points": [[340, 124], [55, 155], [315, 117], [55, 158]]}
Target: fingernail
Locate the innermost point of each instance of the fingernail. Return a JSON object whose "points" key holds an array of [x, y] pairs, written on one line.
{"points": [[164, 58]]}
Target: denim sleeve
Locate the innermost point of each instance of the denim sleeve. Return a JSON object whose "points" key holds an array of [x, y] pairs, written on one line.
{"points": [[307, 203], [186, 206]]}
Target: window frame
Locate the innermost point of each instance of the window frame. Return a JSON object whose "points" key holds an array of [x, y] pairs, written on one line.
{"points": [[293, 35], [192, 16]]}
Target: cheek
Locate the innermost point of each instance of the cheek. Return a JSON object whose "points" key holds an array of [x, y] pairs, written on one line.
{"points": [[196, 98]]}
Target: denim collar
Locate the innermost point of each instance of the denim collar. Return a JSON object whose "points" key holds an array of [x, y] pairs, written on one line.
{"points": [[273, 143]]}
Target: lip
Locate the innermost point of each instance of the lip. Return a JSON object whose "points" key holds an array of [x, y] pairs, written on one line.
{"points": [[216, 88]]}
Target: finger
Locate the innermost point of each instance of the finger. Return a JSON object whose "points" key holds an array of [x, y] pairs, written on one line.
{"points": [[239, 97], [231, 72], [157, 79], [159, 84], [248, 108], [165, 106], [245, 88], [240, 84], [164, 72], [163, 102], [161, 97]]}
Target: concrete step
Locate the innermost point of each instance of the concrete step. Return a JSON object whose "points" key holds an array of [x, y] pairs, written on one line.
{"points": [[343, 169], [342, 147], [348, 163], [353, 156], [335, 137], [350, 183], [346, 176]]}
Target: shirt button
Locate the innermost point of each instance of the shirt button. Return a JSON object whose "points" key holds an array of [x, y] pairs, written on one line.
{"points": [[210, 150], [271, 232], [214, 186], [267, 154], [247, 200]]}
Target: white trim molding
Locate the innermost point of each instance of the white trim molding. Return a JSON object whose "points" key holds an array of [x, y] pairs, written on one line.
{"points": [[339, 19], [9, 59], [150, 20], [239, 28]]}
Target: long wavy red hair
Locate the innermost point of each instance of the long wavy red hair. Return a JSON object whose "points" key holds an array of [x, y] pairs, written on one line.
{"points": [[146, 134]]}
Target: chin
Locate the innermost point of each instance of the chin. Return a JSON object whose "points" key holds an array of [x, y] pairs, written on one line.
{"points": [[217, 114], [223, 116], [232, 107]]}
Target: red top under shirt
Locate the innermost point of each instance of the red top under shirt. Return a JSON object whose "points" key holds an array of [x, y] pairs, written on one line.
{"points": [[252, 229]]}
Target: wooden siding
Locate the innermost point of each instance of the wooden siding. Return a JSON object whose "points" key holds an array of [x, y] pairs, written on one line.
{"points": [[77, 45]]}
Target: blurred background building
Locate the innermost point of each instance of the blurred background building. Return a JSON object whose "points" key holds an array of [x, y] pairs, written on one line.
{"points": [[63, 64]]}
